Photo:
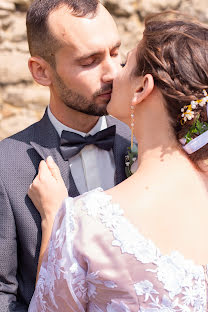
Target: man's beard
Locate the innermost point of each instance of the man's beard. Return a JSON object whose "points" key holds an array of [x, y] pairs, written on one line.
{"points": [[79, 102]]}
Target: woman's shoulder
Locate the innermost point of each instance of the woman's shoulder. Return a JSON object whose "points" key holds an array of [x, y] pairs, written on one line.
{"points": [[91, 202], [91, 213]]}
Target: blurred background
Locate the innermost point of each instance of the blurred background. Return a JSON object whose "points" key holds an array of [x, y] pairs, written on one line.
{"points": [[22, 102]]}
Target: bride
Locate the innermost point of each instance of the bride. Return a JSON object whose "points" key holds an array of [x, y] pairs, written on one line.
{"points": [[140, 246]]}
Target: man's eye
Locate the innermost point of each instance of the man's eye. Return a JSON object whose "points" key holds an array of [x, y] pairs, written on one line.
{"points": [[114, 54], [88, 63]]}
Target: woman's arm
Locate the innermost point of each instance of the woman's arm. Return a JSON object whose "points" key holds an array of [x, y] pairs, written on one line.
{"points": [[46, 226], [47, 193]]}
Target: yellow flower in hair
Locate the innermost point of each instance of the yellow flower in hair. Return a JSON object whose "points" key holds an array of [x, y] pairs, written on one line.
{"points": [[187, 113], [187, 110]]}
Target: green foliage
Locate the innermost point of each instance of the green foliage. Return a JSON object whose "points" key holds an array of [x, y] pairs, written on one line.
{"points": [[130, 159], [196, 129]]}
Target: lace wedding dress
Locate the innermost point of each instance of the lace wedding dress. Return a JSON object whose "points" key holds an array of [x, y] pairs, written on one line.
{"points": [[98, 261]]}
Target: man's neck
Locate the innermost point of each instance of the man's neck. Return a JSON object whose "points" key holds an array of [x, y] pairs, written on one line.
{"points": [[75, 120]]}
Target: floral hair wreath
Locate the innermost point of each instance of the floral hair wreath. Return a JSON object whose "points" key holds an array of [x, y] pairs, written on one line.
{"points": [[197, 136], [187, 110]]}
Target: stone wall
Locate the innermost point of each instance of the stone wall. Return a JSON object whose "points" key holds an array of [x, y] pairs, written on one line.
{"points": [[22, 101]]}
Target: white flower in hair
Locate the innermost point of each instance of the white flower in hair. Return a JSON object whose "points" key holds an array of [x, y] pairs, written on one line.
{"points": [[193, 104], [187, 110], [187, 114], [205, 92], [202, 102]]}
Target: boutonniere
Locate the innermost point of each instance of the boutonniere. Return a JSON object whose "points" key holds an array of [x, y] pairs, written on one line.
{"points": [[131, 164]]}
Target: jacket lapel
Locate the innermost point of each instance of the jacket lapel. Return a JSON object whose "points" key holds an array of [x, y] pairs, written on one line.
{"points": [[46, 143], [121, 145]]}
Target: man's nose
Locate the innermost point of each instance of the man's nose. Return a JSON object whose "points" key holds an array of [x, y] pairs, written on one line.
{"points": [[111, 68]]}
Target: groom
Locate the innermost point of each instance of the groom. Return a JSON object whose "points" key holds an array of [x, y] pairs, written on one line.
{"points": [[74, 48]]}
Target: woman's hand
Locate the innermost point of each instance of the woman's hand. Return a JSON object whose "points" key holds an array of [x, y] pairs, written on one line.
{"points": [[47, 193], [48, 189]]}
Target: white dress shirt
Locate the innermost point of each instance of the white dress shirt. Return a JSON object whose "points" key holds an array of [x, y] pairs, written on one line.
{"points": [[92, 167]]}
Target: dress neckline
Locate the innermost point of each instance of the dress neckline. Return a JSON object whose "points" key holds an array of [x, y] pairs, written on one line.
{"points": [[136, 230]]}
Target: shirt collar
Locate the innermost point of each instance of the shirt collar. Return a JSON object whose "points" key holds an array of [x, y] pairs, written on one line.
{"points": [[100, 125]]}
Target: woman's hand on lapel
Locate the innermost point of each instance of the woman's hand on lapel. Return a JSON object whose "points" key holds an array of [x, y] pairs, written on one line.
{"points": [[48, 189]]}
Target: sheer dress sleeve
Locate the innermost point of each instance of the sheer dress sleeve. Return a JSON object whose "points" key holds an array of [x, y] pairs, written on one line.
{"points": [[84, 268], [61, 285]]}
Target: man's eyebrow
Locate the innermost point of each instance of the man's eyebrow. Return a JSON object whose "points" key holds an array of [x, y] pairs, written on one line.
{"points": [[94, 53]]}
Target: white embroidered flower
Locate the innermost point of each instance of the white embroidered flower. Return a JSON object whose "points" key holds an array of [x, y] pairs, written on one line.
{"points": [[171, 272], [125, 234], [145, 288], [184, 308], [40, 288], [196, 297], [91, 207], [59, 238], [146, 251], [117, 307], [130, 241], [110, 214], [191, 296], [69, 216], [93, 277], [92, 307], [165, 306], [110, 284], [78, 280], [93, 280], [94, 200], [74, 268], [91, 290], [80, 289]]}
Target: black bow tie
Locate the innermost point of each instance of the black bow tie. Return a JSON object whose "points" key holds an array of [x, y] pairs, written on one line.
{"points": [[72, 143]]}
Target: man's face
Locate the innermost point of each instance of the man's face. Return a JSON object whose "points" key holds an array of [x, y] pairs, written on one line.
{"points": [[87, 62]]}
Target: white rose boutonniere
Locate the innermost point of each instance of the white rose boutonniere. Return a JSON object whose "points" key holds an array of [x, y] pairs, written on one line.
{"points": [[131, 163]]}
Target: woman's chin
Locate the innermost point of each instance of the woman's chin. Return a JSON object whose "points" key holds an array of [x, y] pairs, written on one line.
{"points": [[114, 111], [110, 109]]}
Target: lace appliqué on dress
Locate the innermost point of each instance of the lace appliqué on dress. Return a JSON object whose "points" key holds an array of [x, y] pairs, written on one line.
{"points": [[182, 279]]}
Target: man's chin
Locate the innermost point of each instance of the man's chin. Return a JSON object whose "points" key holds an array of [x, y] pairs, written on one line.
{"points": [[102, 102]]}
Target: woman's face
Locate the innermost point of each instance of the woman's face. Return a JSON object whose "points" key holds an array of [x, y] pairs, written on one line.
{"points": [[123, 90]]}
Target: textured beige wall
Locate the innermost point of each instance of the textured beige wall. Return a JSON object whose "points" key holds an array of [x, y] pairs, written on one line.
{"points": [[22, 102]]}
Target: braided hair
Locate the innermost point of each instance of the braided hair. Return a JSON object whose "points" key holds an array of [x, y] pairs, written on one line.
{"points": [[174, 50]]}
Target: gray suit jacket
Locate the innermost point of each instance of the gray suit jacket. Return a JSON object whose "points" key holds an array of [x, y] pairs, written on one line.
{"points": [[20, 229]]}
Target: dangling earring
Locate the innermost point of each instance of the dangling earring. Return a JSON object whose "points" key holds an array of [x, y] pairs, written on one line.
{"points": [[132, 125]]}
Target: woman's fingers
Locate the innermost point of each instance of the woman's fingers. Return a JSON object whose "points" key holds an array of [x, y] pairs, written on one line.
{"points": [[43, 171], [48, 189], [39, 181], [54, 169]]}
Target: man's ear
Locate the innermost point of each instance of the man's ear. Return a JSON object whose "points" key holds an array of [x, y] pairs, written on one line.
{"points": [[144, 86], [40, 71]]}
